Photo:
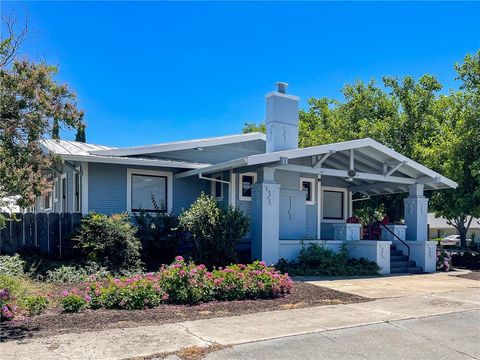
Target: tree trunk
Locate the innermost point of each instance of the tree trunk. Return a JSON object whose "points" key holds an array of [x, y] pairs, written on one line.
{"points": [[459, 224]]}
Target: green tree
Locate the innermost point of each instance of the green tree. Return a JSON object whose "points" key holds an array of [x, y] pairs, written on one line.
{"points": [[31, 101], [81, 134], [254, 127], [457, 151]]}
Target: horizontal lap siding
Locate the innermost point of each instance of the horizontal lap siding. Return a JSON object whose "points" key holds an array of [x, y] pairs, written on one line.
{"points": [[107, 184], [107, 188]]}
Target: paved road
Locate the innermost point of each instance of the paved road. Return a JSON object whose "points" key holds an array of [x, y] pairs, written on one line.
{"points": [[449, 336]]}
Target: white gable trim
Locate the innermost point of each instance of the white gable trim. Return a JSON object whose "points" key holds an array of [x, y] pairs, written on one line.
{"points": [[180, 145]]}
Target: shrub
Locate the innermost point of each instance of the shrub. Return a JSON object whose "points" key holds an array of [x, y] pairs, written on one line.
{"points": [[444, 260], [215, 231], [159, 235], [72, 274], [11, 265], [319, 260], [7, 308], [73, 302], [35, 304], [181, 282], [466, 259], [109, 241]]}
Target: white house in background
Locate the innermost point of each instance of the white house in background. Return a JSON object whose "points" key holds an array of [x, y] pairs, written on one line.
{"points": [[290, 194], [439, 228]]}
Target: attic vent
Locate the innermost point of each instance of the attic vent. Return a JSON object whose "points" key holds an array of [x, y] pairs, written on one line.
{"points": [[281, 87]]}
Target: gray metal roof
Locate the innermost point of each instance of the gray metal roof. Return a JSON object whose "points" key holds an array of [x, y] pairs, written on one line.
{"points": [[64, 147]]}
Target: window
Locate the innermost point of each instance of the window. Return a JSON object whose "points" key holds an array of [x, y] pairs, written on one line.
{"points": [[63, 193], [308, 185], [147, 189], [47, 201], [217, 187], [76, 192], [333, 205], [245, 185], [56, 190]]}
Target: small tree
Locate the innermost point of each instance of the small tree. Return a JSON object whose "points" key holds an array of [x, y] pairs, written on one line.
{"points": [[215, 231]]}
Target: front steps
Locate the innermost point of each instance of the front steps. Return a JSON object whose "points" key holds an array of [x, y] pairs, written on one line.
{"points": [[399, 263]]}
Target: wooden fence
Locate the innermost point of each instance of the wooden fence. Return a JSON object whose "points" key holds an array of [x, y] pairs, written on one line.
{"points": [[47, 233]]}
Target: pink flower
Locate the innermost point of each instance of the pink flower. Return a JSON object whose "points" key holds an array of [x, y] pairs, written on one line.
{"points": [[263, 263], [64, 293], [179, 258], [182, 273], [201, 267], [87, 298]]}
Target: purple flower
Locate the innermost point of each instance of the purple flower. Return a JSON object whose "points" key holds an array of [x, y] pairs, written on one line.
{"points": [[87, 298]]}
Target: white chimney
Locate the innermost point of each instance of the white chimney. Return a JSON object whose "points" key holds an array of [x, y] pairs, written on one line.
{"points": [[282, 120]]}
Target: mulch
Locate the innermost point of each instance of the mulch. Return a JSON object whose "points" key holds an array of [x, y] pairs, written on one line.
{"points": [[54, 322], [474, 275]]}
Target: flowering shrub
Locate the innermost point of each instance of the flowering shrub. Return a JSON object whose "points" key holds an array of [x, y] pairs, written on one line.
{"points": [[181, 282], [7, 309], [35, 304], [444, 260], [73, 301]]}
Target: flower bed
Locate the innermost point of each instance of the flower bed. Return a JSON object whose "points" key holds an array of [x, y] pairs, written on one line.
{"points": [[181, 282]]}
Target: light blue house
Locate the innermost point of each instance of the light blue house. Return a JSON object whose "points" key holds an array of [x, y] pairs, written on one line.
{"points": [[290, 194]]}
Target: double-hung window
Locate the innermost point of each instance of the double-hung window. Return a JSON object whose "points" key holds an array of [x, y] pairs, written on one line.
{"points": [[217, 187], [245, 186], [308, 186], [76, 192]]}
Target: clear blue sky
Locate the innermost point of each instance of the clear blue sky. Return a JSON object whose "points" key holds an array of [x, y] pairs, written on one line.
{"points": [[148, 72]]}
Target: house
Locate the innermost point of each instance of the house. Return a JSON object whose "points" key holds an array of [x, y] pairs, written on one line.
{"points": [[292, 195], [438, 227]]}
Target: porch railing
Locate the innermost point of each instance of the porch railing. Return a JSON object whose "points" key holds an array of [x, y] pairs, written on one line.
{"points": [[395, 236]]}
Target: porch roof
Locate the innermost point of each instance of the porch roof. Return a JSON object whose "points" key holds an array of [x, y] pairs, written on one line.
{"points": [[367, 166]]}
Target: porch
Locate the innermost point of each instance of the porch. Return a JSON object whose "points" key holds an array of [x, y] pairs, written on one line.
{"points": [[303, 196]]}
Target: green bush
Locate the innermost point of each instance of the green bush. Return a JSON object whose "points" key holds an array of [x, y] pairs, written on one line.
{"points": [[11, 265], [73, 303], [160, 236], [319, 260], [109, 241], [73, 274], [35, 304], [215, 231]]}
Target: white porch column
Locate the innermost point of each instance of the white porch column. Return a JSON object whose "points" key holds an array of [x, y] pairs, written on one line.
{"points": [[265, 217], [416, 210]]}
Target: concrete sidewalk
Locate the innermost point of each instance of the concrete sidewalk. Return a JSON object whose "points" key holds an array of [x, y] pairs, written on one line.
{"points": [[453, 295]]}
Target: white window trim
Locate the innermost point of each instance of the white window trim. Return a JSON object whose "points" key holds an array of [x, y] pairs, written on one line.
{"points": [[55, 188], [345, 204], [63, 176], [79, 189], [50, 203], [168, 175], [214, 183], [312, 189], [240, 176]]}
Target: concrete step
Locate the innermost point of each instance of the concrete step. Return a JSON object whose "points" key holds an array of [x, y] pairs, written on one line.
{"points": [[398, 258], [405, 270], [398, 264], [396, 253]]}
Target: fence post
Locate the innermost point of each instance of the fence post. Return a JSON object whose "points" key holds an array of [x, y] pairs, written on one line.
{"points": [[16, 234]]}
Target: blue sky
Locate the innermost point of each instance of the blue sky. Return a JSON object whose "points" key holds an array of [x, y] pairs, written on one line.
{"points": [[149, 72]]}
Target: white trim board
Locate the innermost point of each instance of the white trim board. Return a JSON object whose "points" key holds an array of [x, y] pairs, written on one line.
{"points": [[181, 145], [84, 188], [168, 175], [245, 198]]}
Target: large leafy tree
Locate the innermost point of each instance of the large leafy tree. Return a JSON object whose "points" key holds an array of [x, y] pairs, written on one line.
{"points": [[456, 153], [32, 103]]}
